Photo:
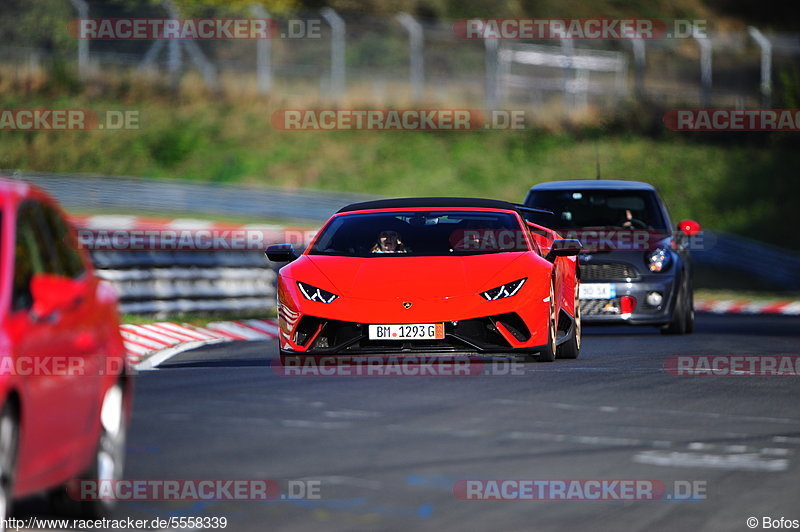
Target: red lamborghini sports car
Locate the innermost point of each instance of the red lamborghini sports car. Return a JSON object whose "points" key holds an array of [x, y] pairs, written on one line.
{"points": [[430, 275]]}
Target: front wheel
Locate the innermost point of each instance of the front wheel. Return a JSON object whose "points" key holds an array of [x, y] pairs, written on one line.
{"points": [[690, 312], [548, 353], [682, 321], [107, 463], [572, 347]]}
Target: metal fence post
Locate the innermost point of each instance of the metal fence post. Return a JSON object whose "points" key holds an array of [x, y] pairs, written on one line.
{"points": [[338, 42], [705, 69], [491, 73], [766, 65], [174, 57], [570, 86], [639, 59], [82, 7], [505, 55], [416, 57], [263, 55]]}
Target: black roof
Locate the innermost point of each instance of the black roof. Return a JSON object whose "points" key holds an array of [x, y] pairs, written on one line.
{"points": [[398, 203]]}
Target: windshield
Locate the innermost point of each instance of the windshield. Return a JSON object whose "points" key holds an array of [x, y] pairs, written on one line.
{"points": [[421, 233], [581, 209]]}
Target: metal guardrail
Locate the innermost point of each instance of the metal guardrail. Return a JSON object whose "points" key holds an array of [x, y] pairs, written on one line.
{"points": [[768, 266], [162, 195], [174, 282]]}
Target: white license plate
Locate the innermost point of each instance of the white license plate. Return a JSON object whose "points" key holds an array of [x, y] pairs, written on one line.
{"points": [[598, 291], [413, 331]]}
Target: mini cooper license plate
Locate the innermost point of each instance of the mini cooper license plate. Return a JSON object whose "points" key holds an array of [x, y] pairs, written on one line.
{"points": [[414, 331], [597, 291]]}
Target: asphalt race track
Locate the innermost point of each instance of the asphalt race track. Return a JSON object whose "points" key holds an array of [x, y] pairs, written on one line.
{"points": [[387, 451]]}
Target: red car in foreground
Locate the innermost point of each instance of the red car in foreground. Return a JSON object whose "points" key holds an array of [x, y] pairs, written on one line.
{"points": [[430, 275], [63, 382]]}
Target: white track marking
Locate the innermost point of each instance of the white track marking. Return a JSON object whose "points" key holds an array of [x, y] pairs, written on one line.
{"points": [[308, 424], [152, 362], [351, 414], [739, 462], [340, 480]]}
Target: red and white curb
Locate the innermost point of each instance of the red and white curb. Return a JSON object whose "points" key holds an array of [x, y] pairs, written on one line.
{"points": [[151, 344], [786, 308]]}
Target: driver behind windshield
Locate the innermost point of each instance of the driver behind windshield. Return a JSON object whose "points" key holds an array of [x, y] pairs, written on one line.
{"points": [[389, 242], [632, 222]]}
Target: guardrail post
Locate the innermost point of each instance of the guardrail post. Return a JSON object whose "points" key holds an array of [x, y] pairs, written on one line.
{"points": [[263, 54], [766, 65], [416, 57], [82, 7], [338, 43]]}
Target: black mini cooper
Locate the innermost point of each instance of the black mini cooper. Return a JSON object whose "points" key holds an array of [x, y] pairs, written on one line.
{"points": [[633, 267]]}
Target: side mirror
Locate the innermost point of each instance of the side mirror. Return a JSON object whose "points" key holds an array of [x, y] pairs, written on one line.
{"points": [[689, 227], [53, 294], [564, 247], [281, 253]]}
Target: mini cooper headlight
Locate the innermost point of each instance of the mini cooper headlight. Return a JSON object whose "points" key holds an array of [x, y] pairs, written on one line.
{"points": [[658, 260], [504, 290], [312, 293]]}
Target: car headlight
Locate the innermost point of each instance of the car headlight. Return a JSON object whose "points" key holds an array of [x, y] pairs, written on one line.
{"points": [[504, 290], [312, 293], [658, 260]]}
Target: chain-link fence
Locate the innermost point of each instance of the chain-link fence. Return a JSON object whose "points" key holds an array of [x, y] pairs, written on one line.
{"points": [[329, 57]]}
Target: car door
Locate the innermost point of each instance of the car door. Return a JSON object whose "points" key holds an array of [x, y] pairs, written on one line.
{"points": [[45, 359], [85, 320]]}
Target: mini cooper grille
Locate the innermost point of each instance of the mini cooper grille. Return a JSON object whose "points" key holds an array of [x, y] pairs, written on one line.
{"points": [[594, 307], [607, 272]]}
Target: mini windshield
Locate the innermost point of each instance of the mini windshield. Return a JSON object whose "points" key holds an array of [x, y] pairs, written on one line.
{"points": [[421, 233], [608, 209]]}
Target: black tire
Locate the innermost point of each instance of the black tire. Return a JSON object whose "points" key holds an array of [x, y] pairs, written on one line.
{"points": [[690, 311], [572, 347], [678, 324], [107, 463], [548, 353], [9, 442]]}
